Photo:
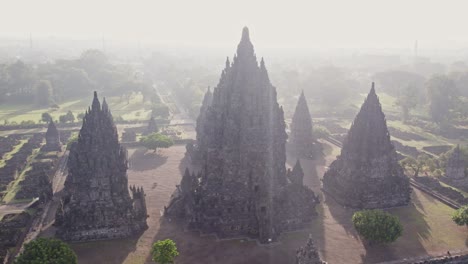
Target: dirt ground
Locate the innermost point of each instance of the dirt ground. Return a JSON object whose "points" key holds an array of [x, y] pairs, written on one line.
{"points": [[428, 228]]}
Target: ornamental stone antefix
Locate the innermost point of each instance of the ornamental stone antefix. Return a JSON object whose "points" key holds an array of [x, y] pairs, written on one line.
{"points": [[301, 141], [96, 203], [241, 189], [367, 173], [308, 254], [52, 137], [455, 169]]}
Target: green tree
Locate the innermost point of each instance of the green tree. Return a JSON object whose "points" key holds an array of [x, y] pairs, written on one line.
{"points": [[43, 250], [63, 119], [160, 110], [460, 216], [46, 117], [441, 93], [80, 116], [320, 132], [73, 138], [156, 140], [164, 251], [377, 226], [43, 93], [407, 100], [416, 165], [70, 116]]}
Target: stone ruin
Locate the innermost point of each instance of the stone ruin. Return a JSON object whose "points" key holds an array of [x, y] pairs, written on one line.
{"points": [[52, 137], [455, 169], [200, 148], [367, 174], [241, 188], [301, 141], [129, 136], [96, 203], [152, 126], [308, 254]]}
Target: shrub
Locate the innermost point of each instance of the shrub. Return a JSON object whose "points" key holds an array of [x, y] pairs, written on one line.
{"points": [[377, 226]]}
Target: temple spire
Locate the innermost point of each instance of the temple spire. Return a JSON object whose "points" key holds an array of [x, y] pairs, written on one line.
{"points": [[96, 105], [245, 34], [105, 107], [245, 48], [368, 158]]}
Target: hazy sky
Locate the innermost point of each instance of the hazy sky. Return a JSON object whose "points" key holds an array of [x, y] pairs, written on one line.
{"points": [[285, 24]]}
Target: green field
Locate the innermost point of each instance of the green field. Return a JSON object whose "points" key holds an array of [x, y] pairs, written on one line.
{"points": [[135, 109]]}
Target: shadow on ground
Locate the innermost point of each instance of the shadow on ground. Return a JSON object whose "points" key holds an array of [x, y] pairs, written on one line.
{"points": [[109, 251], [143, 160]]}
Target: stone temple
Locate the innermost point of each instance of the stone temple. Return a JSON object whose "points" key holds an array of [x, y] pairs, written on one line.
{"points": [[52, 137], [367, 175], [455, 168], [241, 188], [301, 139], [96, 203]]}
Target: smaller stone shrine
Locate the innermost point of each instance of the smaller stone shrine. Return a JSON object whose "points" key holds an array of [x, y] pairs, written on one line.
{"points": [[52, 137]]}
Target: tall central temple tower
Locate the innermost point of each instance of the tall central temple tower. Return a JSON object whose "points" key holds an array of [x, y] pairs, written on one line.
{"points": [[97, 203], [242, 188]]}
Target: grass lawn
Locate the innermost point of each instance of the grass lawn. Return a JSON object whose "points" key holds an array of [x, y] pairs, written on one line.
{"points": [[10, 154], [14, 186], [135, 109]]}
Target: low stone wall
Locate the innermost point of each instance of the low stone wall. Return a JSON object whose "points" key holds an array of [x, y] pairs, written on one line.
{"points": [[407, 150], [404, 135], [435, 185], [18, 161], [437, 150]]}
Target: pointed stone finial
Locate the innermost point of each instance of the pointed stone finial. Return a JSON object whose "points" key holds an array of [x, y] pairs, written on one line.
{"points": [[373, 88], [262, 64], [245, 34], [105, 107], [228, 63], [245, 48], [96, 104]]}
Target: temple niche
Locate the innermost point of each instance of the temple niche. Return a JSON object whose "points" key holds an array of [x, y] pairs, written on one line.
{"points": [[96, 203], [241, 187], [301, 141], [52, 137], [367, 174]]}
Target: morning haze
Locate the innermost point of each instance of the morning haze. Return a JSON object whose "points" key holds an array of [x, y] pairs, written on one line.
{"points": [[305, 132]]}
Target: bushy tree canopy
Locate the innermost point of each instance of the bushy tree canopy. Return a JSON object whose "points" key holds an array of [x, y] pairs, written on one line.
{"points": [[156, 140], [460, 216], [377, 226], [164, 251], [43, 250]]}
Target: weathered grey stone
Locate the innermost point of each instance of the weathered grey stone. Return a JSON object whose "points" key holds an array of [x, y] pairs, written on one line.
{"points": [[296, 175], [308, 254], [52, 137], [301, 139], [242, 189], [152, 126], [96, 203], [367, 174], [455, 169]]}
